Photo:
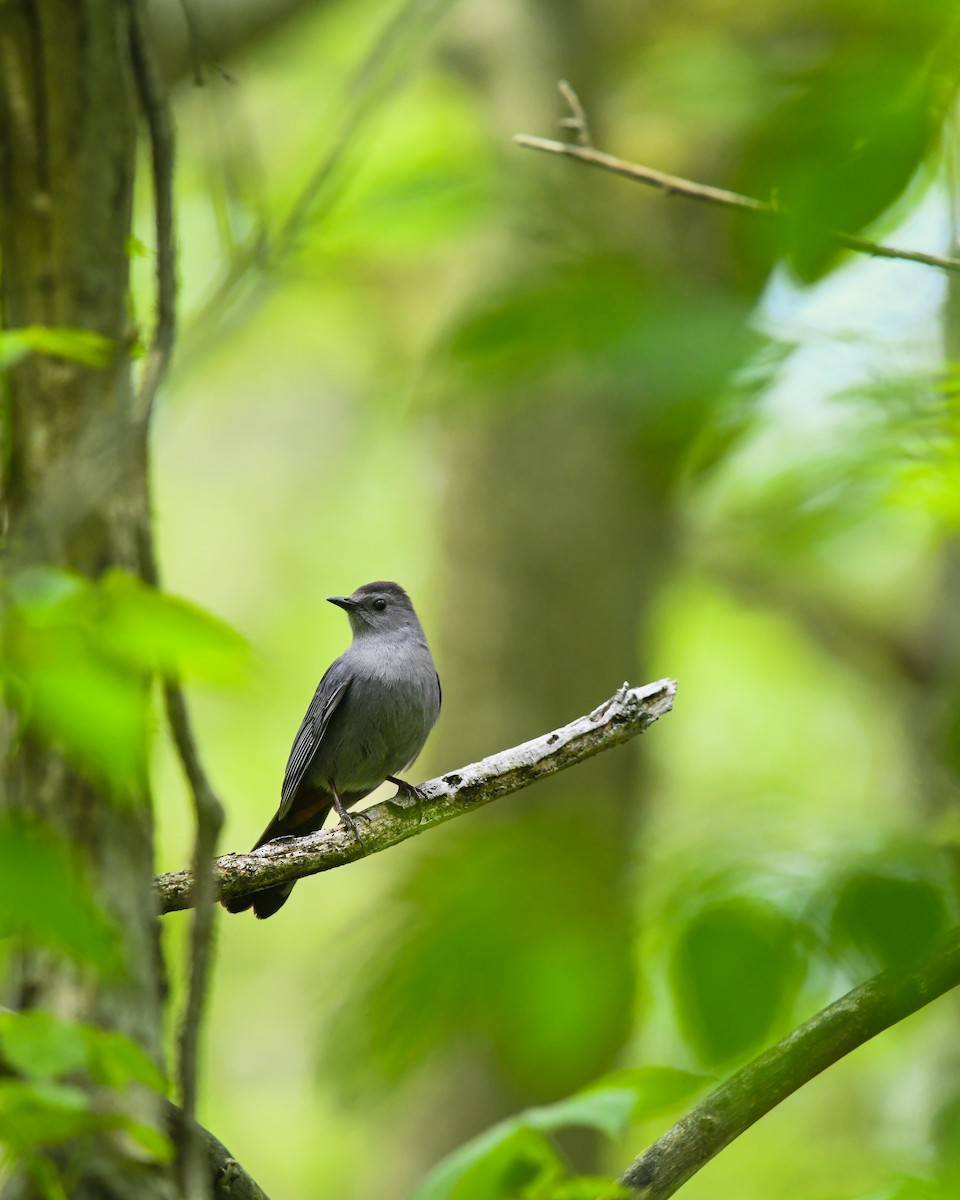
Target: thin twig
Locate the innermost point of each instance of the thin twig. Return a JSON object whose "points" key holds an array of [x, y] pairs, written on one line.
{"points": [[760, 1086], [265, 251], [207, 808], [577, 121], [154, 103], [200, 51], [629, 712], [676, 185]]}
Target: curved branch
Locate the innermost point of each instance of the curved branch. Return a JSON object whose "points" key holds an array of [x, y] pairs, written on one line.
{"points": [[760, 1086], [629, 712], [226, 1178]]}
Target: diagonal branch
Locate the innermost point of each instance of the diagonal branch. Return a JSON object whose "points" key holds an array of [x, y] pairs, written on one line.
{"points": [[675, 185], [627, 713], [663, 1168]]}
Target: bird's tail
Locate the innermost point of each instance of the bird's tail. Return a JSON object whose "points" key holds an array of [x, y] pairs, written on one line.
{"points": [[293, 824]]}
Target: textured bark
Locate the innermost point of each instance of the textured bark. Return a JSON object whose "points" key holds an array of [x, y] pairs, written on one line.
{"points": [[627, 713], [73, 488]]}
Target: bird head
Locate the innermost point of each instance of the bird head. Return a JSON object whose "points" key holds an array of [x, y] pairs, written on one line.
{"points": [[380, 607]]}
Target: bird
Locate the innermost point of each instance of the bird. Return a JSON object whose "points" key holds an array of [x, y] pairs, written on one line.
{"points": [[369, 718]]}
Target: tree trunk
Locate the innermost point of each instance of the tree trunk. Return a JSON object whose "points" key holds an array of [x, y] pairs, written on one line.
{"points": [[73, 485]]}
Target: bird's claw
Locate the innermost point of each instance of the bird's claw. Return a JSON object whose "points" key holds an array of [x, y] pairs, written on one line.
{"points": [[408, 795]]}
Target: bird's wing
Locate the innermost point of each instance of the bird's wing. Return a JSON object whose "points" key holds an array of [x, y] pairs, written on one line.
{"points": [[330, 692]]}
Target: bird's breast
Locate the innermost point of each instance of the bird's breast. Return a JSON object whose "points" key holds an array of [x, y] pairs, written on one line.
{"points": [[385, 718]]}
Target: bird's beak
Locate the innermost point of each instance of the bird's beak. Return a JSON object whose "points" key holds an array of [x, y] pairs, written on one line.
{"points": [[342, 602]]}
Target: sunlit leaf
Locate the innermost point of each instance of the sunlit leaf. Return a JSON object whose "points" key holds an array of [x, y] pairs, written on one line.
{"points": [[78, 657], [606, 1109], [494, 1166], [114, 1059], [77, 345], [857, 122], [655, 1090], [608, 1106], [40, 1046], [162, 633]]}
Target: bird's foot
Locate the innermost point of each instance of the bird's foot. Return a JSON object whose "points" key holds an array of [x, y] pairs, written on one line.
{"points": [[408, 795], [349, 821]]}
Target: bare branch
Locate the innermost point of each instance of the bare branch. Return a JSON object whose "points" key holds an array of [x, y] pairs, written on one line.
{"points": [[675, 185], [760, 1086], [629, 712]]}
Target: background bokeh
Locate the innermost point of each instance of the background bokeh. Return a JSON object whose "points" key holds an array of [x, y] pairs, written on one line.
{"points": [[599, 434]]}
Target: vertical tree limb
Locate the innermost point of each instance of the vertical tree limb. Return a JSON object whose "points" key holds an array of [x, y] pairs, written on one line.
{"points": [[208, 811]]}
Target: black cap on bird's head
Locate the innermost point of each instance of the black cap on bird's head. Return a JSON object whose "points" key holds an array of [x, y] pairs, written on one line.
{"points": [[377, 607]]}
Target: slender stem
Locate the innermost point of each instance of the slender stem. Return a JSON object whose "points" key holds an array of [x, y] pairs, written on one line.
{"points": [[207, 808], [678, 186], [745, 1097], [627, 713]]}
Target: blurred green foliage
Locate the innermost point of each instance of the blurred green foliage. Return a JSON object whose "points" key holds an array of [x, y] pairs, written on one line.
{"points": [[78, 657], [75, 345], [736, 968], [549, 1003], [377, 285], [45, 1063], [862, 113], [887, 919], [518, 1159], [45, 900]]}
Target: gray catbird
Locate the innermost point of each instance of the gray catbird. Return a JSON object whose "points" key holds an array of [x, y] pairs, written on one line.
{"points": [[367, 722]]}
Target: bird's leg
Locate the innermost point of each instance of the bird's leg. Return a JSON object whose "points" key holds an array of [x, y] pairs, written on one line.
{"points": [[408, 792], [345, 817]]}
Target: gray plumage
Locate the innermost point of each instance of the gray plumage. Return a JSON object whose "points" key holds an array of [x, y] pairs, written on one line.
{"points": [[367, 722]]}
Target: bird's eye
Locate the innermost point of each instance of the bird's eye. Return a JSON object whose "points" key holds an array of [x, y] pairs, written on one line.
{"points": [[379, 604]]}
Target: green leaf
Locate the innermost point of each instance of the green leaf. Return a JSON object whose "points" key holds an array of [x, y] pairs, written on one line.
{"points": [[655, 1090], [135, 248], [477, 1169], [156, 1144], [40, 1046], [41, 1113], [158, 632], [35, 1114], [607, 1109], [735, 970], [45, 901], [113, 1059], [78, 656], [493, 1166], [76, 345], [888, 918], [858, 121]]}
